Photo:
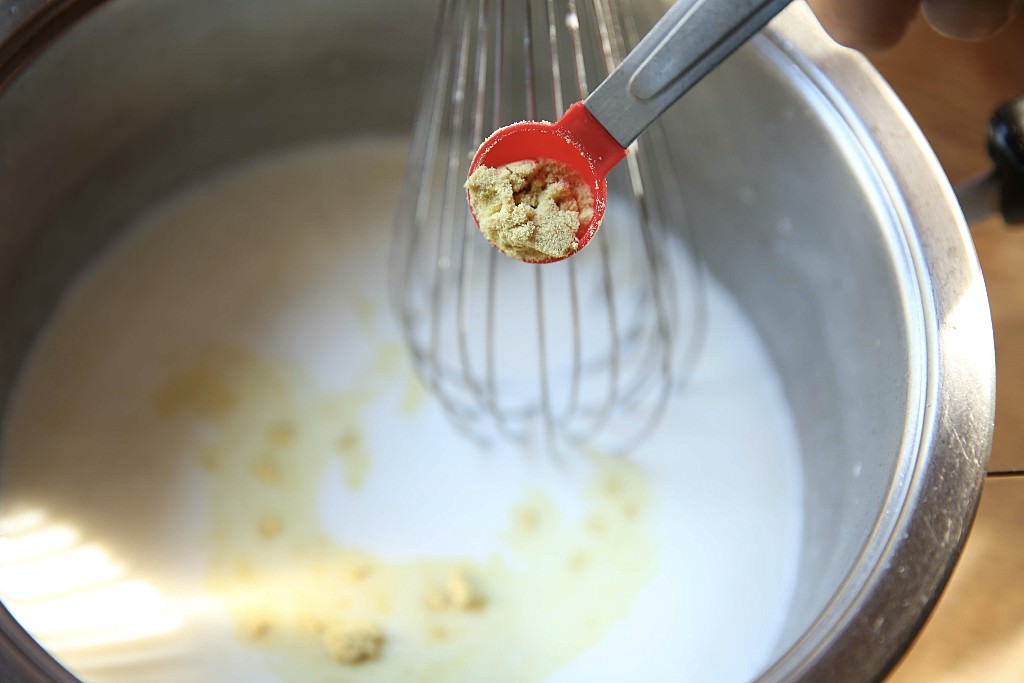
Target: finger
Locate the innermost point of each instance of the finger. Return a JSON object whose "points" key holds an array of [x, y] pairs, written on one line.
{"points": [[865, 24], [969, 19]]}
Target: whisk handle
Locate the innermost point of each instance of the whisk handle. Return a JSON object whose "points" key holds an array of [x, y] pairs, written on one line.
{"points": [[691, 39]]}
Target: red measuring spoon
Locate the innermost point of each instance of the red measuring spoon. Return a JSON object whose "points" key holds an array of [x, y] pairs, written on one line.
{"points": [[577, 140], [687, 42]]}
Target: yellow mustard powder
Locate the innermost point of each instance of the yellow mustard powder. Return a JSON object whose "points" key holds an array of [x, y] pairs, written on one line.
{"points": [[457, 593], [353, 643], [530, 210], [322, 610]]}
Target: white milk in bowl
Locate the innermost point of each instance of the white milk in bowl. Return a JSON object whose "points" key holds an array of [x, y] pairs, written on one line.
{"points": [[219, 465]]}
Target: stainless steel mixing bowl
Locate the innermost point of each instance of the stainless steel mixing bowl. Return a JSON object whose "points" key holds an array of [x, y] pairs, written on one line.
{"points": [[815, 199]]}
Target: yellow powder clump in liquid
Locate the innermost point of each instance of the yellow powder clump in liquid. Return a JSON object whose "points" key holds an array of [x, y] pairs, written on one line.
{"points": [[530, 210], [353, 643], [458, 593]]}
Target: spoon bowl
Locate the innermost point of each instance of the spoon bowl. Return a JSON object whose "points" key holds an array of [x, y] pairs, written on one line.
{"points": [[576, 140]]}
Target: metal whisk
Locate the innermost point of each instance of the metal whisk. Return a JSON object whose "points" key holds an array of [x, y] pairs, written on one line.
{"points": [[582, 352]]}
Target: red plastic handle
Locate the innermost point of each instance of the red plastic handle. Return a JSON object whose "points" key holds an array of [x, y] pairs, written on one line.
{"points": [[604, 150]]}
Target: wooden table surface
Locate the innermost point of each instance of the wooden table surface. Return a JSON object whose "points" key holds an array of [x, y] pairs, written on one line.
{"points": [[977, 631]]}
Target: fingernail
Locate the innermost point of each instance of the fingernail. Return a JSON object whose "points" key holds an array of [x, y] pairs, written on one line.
{"points": [[970, 20]]}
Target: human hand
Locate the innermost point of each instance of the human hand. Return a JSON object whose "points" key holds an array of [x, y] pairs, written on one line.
{"points": [[877, 24]]}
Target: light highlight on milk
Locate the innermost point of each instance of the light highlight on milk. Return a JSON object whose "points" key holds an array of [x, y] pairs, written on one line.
{"points": [[221, 417]]}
